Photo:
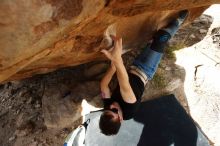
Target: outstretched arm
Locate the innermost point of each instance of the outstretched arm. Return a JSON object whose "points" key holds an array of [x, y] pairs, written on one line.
{"points": [[115, 56], [104, 85]]}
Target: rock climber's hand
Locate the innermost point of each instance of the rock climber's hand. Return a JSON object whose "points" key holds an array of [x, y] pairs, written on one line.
{"points": [[114, 54]]}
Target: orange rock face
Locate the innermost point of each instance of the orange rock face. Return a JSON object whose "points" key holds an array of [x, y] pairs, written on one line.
{"points": [[39, 36]]}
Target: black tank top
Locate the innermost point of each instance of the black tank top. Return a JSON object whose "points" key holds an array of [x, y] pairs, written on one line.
{"points": [[128, 109]]}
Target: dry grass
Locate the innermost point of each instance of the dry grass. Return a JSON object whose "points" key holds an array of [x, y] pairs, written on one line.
{"points": [[158, 80], [169, 52]]}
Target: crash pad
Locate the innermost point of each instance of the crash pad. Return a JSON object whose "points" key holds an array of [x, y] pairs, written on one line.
{"points": [[159, 122]]}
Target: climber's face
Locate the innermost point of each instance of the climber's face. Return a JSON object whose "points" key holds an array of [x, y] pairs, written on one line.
{"points": [[110, 119], [116, 111]]}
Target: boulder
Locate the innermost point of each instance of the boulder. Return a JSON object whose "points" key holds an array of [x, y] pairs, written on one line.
{"points": [[62, 106], [39, 36], [58, 111]]}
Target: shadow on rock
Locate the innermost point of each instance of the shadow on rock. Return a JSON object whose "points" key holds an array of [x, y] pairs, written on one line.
{"points": [[65, 90]]}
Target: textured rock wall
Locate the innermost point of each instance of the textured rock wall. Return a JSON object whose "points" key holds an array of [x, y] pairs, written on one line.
{"points": [[39, 36]]}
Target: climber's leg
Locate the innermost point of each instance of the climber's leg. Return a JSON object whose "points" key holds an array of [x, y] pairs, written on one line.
{"points": [[147, 62]]}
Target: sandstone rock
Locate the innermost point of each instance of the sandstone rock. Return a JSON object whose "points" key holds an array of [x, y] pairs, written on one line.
{"points": [[24, 121], [37, 106], [40, 144], [95, 70], [203, 31], [17, 112], [35, 143], [174, 84], [29, 100], [168, 68], [11, 138], [16, 84], [21, 133], [21, 120], [3, 99], [42, 36], [192, 36], [85, 90], [205, 19], [59, 112], [64, 132], [62, 111]]}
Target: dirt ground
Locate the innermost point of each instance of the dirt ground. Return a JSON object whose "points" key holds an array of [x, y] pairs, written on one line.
{"points": [[24, 105]]}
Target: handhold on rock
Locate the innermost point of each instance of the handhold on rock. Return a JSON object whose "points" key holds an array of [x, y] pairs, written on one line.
{"points": [[48, 41], [107, 41]]}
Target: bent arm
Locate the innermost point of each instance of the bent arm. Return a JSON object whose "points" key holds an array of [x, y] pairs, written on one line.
{"points": [[125, 87], [114, 55], [104, 84]]}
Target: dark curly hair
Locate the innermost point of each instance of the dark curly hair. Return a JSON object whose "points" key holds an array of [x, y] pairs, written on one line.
{"points": [[109, 125]]}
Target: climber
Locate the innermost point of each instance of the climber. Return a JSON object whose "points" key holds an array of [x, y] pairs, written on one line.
{"points": [[125, 99]]}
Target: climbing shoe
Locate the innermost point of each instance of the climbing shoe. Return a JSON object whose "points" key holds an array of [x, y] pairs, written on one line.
{"points": [[174, 25]]}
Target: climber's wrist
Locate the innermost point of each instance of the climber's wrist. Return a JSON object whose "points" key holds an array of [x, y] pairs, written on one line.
{"points": [[118, 62]]}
